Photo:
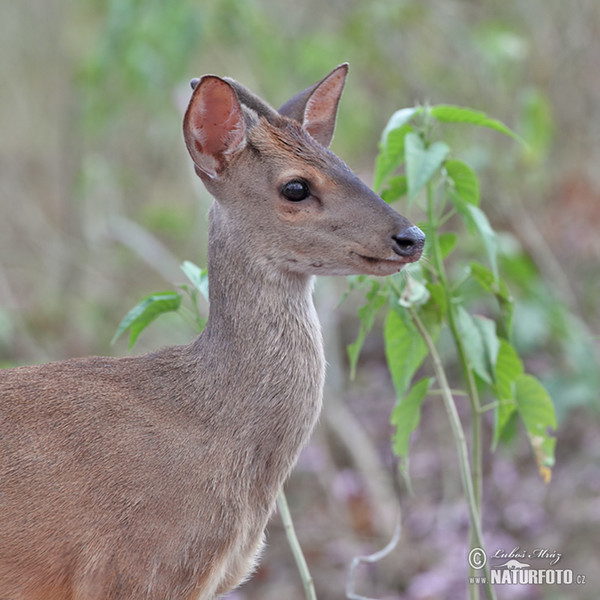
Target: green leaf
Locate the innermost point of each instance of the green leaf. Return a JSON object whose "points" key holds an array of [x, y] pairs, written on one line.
{"points": [[508, 368], [438, 297], [422, 162], [491, 343], [486, 279], [473, 344], [407, 415], [463, 181], [366, 314], [498, 287], [197, 276], [397, 121], [483, 276], [536, 123], [447, 242], [476, 220], [141, 315], [447, 113], [391, 155], [405, 350], [397, 187], [537, 412]]}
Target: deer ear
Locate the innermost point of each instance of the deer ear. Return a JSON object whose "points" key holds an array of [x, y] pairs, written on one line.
{"points": [[316, 107], [213, 126]]}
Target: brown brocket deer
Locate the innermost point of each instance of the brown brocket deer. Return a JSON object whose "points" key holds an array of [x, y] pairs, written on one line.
{"points": [[153, 477]]}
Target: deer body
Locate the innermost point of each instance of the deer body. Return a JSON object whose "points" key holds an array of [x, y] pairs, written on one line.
{"points": [[192, 457], [153, 477]]}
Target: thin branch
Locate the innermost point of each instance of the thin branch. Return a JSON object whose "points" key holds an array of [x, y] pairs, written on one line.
{"points": [[290, 532], [439, 392], [370, 559], [475, 470], [460, 441]]}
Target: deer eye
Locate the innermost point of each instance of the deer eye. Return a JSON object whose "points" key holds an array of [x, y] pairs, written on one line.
{"points": [[295, 190]]}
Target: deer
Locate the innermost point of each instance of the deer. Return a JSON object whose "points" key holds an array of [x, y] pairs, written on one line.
{"points": [[153, 477]]}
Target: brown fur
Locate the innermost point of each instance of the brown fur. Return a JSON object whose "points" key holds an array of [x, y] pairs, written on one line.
{"points": [[153, 477]]}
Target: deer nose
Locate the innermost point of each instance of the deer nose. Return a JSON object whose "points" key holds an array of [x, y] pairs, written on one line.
{"points": [[409, 242]]}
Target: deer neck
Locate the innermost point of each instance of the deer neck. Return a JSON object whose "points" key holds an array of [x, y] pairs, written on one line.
{"points": [[264, 338], [249, 294]]}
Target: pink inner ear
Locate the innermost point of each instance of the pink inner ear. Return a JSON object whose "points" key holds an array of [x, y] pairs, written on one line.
{"points": [[216, 121], [321, 109]]}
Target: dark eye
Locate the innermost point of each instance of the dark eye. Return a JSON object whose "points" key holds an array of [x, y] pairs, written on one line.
{"points": [[295, 190]]}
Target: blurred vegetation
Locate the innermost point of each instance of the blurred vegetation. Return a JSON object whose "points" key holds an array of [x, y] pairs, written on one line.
{"points": [[99, 206]]}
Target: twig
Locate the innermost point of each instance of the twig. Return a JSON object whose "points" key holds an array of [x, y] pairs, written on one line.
{"points": [[370, 559], [290, 532], [474, 470], [459, 439]]}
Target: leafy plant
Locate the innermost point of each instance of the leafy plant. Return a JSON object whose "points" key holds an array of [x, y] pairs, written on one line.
{"points": [[159, 303], [429, 297]]}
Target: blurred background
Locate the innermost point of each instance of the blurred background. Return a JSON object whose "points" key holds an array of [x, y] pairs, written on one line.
{"points": [[99, 206]]}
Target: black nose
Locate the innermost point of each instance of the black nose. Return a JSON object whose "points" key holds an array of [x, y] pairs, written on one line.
{"points": [[409, 242]]}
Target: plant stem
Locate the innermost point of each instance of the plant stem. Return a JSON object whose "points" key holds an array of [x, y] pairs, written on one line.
{"points": [[476, 449], [290, 532], [460, 441], [370, 559], [489, 406]]}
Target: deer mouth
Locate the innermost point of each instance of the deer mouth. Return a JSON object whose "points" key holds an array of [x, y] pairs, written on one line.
{"points": [[399, 260], [373, 260], [383, 266]]}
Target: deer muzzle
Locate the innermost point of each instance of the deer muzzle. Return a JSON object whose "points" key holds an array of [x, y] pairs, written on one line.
{"points": [[409, 243]]}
